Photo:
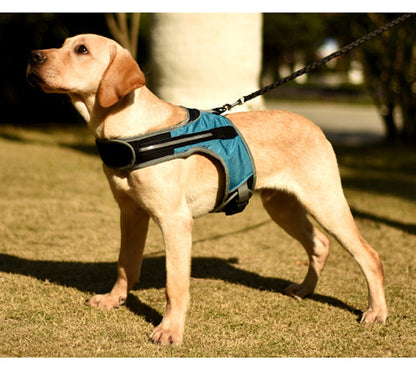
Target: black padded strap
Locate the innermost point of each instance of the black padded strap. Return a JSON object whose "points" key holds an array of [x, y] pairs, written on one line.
{"points": [[125, 154]]}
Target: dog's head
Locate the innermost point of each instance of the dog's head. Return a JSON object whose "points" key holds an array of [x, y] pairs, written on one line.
{"points": [[86, 66]]}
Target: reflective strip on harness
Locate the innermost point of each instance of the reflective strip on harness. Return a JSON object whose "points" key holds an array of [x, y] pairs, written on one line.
{"points": [[203, 132]]}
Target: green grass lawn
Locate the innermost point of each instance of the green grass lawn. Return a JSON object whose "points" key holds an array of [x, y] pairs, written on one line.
{"points": [[59, 244]]}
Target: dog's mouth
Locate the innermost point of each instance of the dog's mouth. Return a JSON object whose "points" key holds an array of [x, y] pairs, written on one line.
{"points": [[33, 77], [36, 80]]}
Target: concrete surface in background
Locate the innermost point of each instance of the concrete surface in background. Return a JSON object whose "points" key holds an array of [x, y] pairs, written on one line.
{"points": [[342, 123]]}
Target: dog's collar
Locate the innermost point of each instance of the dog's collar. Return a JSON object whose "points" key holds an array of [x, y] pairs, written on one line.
{"points": [[205, 133]]}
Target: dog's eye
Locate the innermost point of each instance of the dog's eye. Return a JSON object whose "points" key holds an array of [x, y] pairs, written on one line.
{"points": [[82, 49]]}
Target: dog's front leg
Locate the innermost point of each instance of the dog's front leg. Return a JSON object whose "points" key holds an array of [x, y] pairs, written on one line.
{"points": [[134, 224], [177, 233]]}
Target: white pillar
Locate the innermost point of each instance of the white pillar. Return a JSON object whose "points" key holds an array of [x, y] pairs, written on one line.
{"points": [[204, 60]]}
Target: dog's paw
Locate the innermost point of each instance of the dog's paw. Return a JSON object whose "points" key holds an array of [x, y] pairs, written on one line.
{"points": [[298, 291], [106, 302], [372, 316], [165, 336]]}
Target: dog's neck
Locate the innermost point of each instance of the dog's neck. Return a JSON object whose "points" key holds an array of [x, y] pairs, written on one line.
{"points": [[138, 113]]}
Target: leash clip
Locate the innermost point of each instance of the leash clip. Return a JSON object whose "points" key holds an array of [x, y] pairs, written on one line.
{"points": [[228, 107], [240, 101]]}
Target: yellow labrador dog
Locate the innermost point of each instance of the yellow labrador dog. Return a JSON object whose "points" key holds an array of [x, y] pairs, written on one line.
{"points": [[297, 175]]}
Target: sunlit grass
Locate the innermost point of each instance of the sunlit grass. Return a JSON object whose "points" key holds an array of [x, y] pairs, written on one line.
{"points": [[59, 244]]}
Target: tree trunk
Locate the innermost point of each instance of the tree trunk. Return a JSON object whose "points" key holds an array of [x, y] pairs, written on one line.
{"points": [[126, 33], [206, 60], [407, 103], [389, 123]]}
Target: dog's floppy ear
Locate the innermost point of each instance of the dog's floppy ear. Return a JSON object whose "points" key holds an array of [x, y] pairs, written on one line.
{"points": [[122, 76]]}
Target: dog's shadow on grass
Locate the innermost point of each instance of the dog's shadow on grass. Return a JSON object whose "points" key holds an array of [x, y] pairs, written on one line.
{"points": [[99, 277]]}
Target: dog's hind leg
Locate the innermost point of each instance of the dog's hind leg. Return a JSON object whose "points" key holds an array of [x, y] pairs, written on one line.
{"points": [[288, 213], [320, 192], [331, 210]]}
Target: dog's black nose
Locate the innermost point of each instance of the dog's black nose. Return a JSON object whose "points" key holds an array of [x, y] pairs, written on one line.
{"points": [[37, 57]]}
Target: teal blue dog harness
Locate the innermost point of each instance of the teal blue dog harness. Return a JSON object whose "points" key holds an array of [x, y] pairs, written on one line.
{"points": [[201, 132]]}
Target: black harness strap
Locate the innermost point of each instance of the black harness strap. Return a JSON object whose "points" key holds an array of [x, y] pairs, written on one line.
{"points": [[127, 154]]}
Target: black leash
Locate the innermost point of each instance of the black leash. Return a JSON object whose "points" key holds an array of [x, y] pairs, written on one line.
{"points": [[313, 66]]}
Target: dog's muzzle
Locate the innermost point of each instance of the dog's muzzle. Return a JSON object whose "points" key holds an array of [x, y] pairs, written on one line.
{"points": [[37, 58]]}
